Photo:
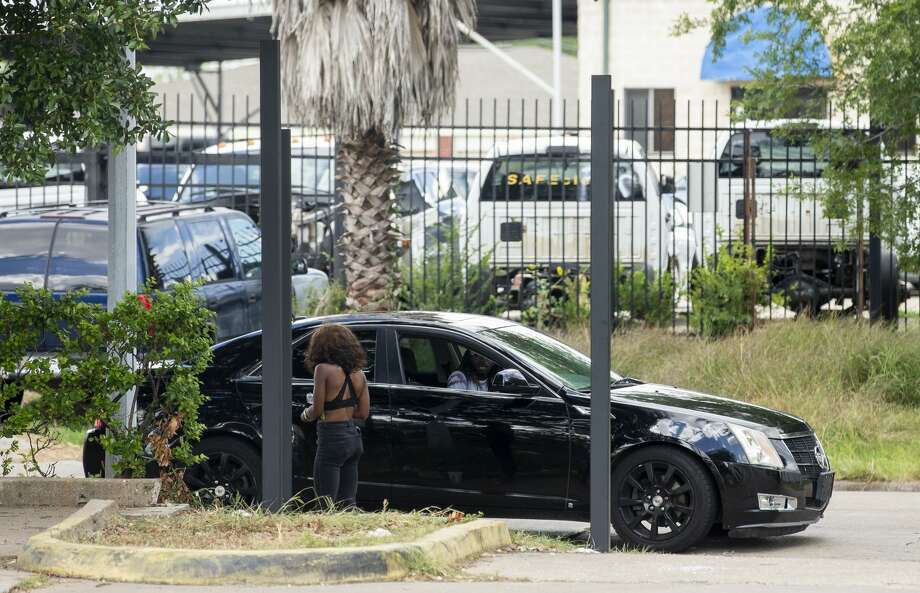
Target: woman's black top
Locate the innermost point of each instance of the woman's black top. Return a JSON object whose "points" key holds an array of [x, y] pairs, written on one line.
{"points": [[339, 401]]}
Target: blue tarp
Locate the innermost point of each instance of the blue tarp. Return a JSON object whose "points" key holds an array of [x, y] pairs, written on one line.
{"points": [[742, 53]]}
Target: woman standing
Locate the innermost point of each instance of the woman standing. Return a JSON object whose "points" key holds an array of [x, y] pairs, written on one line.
{"points": [[340, 397]]}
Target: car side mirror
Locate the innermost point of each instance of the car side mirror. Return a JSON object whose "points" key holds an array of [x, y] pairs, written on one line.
{"points": [[667, 185], [512, 381]]}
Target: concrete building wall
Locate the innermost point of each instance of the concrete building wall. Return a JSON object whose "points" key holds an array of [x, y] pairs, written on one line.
{"points": [[645, 55]]}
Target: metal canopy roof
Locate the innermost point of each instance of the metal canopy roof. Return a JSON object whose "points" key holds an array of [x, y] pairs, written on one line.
{"points": [[232, 29]]}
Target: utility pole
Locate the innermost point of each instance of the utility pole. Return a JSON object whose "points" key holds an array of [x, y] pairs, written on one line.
{"points": [[605, 67], [122, 262]]}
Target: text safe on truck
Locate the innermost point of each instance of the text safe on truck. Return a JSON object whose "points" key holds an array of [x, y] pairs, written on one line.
{"points": [[529, 208]]}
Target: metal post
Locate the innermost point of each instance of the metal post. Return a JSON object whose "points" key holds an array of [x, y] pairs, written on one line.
{"points": [[276, 285], [557, 63], [605, 67], [875, 264], [338, 229], [601, 304], [122, 262]]}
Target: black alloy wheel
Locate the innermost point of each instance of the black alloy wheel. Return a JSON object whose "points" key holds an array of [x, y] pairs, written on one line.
{"points": [[663, 499], [231, 472]]}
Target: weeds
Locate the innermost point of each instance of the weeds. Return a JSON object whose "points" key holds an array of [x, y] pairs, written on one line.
{"points": [[246, 527], [854, 383]]}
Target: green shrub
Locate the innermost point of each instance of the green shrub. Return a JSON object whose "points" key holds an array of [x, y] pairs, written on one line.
{"points": [[157, 343], [562, 300], [329, 302], [451, 275], [725, 293], [649, 299]]}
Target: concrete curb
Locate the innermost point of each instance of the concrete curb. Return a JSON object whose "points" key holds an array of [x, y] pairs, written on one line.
{"points": [[853, 486], [72, 492], [48, 553]]}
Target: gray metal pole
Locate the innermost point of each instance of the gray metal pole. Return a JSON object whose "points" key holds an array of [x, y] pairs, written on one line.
{"points": [[605, 66], [557, 63], [122, 262], [276, 285], [601, 304]]}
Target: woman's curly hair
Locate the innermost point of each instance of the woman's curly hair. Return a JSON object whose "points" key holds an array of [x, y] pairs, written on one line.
{"points": [[335, 344]]}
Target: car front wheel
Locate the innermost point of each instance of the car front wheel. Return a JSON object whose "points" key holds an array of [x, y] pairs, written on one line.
{"points": [[663, 499]]}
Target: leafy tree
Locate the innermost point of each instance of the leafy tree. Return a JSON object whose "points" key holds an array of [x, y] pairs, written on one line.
{"points": [[65, 81], [363, 69], [873, 85]]}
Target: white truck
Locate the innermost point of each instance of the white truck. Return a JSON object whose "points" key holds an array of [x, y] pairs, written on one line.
{"points": [[814, 257], [529, 209]]}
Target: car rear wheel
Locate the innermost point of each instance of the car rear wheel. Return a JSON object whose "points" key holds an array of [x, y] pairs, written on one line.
{"points": [[663, 499], [231, 471]]}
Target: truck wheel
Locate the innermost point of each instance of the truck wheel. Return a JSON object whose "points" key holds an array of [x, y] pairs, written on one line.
{"points": [[663, 499], [888, 308]]}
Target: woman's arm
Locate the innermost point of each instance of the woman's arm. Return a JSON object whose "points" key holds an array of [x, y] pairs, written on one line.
{"points": [[319, 393], [363, 411]]}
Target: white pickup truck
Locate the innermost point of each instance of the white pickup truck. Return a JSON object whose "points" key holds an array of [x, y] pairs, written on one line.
{"points": [[814, 257], [529, 208]]}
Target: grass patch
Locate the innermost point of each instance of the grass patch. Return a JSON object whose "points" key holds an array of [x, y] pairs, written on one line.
{"points": [[30, 584], [70, 436], [255, 529], [525, 541], [857, 385]]}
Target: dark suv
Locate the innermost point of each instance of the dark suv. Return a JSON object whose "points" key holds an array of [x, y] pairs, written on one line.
{"points": [[67, 249]]}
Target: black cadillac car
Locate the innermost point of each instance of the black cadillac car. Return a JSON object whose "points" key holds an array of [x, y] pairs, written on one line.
{"points": [[682, 463]]}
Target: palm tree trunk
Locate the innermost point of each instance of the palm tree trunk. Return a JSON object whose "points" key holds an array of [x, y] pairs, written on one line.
{"points": [[370, 240]]}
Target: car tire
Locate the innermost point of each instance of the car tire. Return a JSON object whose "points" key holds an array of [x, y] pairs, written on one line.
{"points": [[231, 472], [662, 499]]}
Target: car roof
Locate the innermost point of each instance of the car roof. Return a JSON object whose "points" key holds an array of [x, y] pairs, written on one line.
{"points": [[465, 321], [421, 319], [98, 213]]}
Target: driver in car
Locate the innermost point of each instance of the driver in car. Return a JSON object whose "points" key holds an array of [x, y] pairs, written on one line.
{"points": [[473, 374]]}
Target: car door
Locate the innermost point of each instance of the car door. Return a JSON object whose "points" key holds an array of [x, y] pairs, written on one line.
{"points": [[374, 468], [472, 450], [212, 263], [247, 239]]}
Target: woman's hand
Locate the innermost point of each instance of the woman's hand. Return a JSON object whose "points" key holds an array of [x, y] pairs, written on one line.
{"points": [[307, 415]]}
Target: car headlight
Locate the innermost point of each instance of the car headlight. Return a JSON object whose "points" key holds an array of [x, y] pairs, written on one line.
{"points": [[757, 446]]}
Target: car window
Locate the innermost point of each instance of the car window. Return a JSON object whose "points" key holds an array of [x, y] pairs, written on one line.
{"points": [[211, 258], [248, 241], [558, 178], [166, 257], [79, 258], [774, 157], [24, 253], [367, 338], [433, 361]]}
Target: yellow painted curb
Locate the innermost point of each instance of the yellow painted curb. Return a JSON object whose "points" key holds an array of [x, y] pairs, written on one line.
{"points": [[47, 553]]}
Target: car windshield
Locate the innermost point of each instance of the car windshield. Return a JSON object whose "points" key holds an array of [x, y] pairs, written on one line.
{"points": [[561, 362]]}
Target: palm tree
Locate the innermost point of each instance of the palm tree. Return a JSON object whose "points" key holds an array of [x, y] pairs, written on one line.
{"points": [[363, 68]]}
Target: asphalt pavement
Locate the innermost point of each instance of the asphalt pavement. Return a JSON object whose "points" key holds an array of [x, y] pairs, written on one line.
{"points": [[868, 542]]}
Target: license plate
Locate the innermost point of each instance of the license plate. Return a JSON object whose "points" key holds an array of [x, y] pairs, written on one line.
{"points": [[824, 487]]}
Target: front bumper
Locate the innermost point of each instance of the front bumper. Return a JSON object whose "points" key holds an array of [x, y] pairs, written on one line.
{"points": [[742, 484]]}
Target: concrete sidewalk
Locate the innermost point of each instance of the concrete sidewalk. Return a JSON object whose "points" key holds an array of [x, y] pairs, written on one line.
{"points": [[869, 542], [18, 524]]}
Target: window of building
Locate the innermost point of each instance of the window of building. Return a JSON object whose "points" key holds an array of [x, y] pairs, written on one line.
{"points": [[649, 117]]}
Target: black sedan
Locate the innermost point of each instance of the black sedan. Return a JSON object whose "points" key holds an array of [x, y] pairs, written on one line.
{"points": [[682, 463]]}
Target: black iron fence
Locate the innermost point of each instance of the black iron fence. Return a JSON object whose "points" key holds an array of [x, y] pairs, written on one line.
{"points": [[493, 205]]}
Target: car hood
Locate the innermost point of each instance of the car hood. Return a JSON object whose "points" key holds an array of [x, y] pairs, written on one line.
{"points": [[667, 397]]}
